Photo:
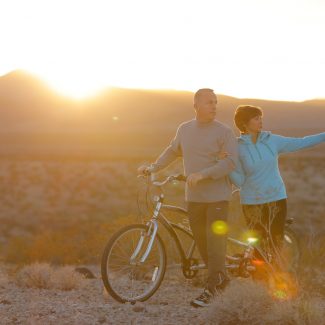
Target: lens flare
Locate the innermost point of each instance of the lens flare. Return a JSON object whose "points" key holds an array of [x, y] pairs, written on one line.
{"points": [[283, 286], [257, 262], [220, 227], [252, 240], [280, 294], [251, 236]]}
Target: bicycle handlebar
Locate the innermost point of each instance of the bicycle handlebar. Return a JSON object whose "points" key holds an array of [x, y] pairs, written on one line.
{"points": [[179, 177]]}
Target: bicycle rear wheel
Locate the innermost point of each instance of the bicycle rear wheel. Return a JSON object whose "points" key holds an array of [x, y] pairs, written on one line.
{"points": [[280, 271], [126, 278], [290, 252]]}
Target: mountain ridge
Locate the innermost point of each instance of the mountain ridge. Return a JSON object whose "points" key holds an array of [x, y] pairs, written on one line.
{"points": [[34, 116]]}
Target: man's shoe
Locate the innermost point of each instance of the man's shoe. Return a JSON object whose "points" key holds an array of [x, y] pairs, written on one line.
{"points": [[203, 300]]}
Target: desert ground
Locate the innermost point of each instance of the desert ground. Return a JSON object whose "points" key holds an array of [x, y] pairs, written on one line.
{"points": [[58, 214], [72, 299]]}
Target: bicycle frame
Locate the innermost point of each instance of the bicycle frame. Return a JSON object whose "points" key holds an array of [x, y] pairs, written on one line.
{"points": [[170, 227], [153, 228], [135, 272]]}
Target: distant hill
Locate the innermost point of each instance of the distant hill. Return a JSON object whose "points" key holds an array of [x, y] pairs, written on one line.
{"points": [[35, 118]]}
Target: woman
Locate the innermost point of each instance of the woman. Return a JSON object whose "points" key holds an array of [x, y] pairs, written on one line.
{"points": [[262, 191]]}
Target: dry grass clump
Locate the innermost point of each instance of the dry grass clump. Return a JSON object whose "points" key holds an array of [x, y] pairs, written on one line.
{"points": [[44, 276], [311, 272], [72, 242], [303, 310], [243, 302], [66, 278], [37, 275], [3, 278], [248, 302]]}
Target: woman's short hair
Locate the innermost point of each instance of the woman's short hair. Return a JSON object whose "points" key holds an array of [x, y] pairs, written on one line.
{"points": [[244, 113]]}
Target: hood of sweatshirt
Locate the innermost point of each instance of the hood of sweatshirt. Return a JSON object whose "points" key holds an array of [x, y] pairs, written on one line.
{"points": [[247, 139], [256, 150]]}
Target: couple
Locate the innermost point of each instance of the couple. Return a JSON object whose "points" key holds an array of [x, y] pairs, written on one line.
{"points": [[211, 156]]}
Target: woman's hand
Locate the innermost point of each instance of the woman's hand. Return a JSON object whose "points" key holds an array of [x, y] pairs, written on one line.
{"points": [[193, 179], [222, 155]]}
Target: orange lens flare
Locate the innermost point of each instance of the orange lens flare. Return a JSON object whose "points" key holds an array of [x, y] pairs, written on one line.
{"points": [[258, 262], [283, 286]]}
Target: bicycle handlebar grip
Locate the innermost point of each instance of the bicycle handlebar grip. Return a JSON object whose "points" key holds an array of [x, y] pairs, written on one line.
{"points": [[147, 171]]}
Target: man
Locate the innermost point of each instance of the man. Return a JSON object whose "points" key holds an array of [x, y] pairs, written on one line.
{"points": [[208, 190]]}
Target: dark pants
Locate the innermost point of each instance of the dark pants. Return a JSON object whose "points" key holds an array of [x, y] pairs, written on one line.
{"points": [[211, 245], [268, 216]]}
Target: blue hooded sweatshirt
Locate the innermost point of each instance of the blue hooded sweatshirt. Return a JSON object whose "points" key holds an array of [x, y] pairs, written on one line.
{"points": [[257, 173]]}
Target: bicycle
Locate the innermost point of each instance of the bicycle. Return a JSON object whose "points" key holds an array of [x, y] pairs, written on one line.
{"points": [[134, 259]]}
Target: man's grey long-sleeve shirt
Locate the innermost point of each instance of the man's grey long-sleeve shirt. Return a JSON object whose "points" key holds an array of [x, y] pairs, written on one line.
{"points": [[199, 144]]}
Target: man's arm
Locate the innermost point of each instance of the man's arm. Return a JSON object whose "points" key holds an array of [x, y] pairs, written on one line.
{"points": [[224, 166], [238, 176], [170, 154]]}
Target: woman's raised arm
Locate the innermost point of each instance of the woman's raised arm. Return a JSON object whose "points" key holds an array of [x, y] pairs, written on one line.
{"points": [[287, 144]]}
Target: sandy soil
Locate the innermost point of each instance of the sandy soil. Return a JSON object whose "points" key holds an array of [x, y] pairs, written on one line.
{"points": [[91, 304]]}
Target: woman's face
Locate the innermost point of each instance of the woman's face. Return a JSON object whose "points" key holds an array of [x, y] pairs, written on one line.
{"points": [[254, 124]]}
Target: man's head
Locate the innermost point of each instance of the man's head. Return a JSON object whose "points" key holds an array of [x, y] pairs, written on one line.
{"points": [[205, 104]]}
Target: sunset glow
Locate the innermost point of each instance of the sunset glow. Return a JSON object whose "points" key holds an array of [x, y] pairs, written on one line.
{"points": [[254, 48]]}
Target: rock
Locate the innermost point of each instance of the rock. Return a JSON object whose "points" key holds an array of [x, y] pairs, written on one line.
{"points": [[5, 302], [85, 272], [139, 309]]}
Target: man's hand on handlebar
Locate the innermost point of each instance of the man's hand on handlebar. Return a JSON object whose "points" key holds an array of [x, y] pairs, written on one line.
{"points": [[145, 170]]}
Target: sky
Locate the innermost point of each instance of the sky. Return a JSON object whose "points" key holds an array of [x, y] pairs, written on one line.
{"points": [[270, 49]]}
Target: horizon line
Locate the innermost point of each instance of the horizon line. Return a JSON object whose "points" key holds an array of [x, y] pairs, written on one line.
{"points": [[107, 87]]}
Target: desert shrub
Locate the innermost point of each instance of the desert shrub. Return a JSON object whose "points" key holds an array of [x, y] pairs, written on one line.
{"points": [[313, 249], [16, 249], [37, 275], [76, 242], [3, 278], [305, 309], [243, 302], [248, 302], [311, 273], [66, 278], [44, 276]]}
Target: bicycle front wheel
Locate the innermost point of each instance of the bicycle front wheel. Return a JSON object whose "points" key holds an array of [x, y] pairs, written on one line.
{"points": [[125, 276]]}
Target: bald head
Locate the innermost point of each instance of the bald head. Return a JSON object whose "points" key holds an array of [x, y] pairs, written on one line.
{"points": [[201, 93], [205, 104]]}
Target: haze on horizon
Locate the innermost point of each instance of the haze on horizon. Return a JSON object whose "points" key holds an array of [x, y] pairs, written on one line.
{"points": [[257, 48]]}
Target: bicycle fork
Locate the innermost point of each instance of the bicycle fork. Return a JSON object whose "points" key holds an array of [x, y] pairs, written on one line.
{"points": [[151, 232]]}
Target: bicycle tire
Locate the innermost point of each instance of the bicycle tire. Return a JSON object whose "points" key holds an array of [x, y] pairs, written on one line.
{"points": [[290, 238], [110, 278], [280, 274], [194, 258]]}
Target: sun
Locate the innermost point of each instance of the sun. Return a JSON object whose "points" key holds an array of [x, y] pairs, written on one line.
{"points": [[75, 87]]}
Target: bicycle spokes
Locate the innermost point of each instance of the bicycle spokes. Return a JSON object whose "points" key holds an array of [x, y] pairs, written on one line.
{"points": [[133, 263]]}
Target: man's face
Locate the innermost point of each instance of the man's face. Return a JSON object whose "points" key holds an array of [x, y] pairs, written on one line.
{"points": [[206, 106]]}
